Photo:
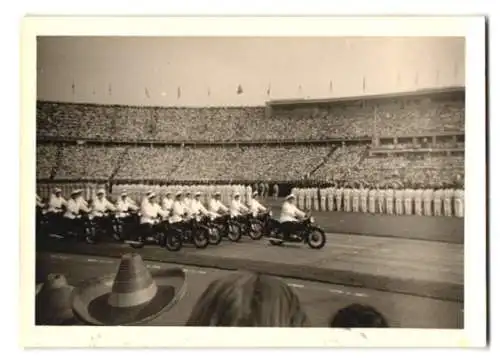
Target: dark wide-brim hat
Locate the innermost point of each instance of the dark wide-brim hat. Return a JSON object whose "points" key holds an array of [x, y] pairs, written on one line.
{"points": [[53, 300], [132, 296]]}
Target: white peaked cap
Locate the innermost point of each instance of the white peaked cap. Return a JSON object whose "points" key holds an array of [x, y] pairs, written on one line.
{"points": [[290, 196]]}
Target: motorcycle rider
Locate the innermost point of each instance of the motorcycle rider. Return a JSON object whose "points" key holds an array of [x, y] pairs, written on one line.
{"points": [[39, 202], [56, 201], [100, 206], [237, 208], [123, 205], [255, 206], [150, 211], [289, 218], [167, 202], [179, 211], [73, 207], [197, 207]]}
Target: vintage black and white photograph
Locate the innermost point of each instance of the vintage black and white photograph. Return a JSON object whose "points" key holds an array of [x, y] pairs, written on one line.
{"points": [[231, 181]]}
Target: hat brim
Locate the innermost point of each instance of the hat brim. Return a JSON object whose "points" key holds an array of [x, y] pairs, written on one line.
{"points": [[90, 300], [44, 316]]}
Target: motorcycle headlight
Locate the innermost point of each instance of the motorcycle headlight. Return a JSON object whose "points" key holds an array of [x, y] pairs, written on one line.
{"points": [[270, 213], [198, 219], [212, 218], [312, 220]]}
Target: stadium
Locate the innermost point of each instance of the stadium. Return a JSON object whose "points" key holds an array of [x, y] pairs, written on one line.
{"points": [[409, 140]]}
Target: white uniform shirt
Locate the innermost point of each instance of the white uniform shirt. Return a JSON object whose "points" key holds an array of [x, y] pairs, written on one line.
{"points": [[167, 204], [237, 208], [256, 207], [198, 208], [56, 203], [150, 212], [215, 206], [178, 211], [122, 206], [73, 208], [100, 206], [290, 212]]}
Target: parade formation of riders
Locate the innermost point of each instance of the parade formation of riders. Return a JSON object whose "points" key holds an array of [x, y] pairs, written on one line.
{"points": [[157, 206]]}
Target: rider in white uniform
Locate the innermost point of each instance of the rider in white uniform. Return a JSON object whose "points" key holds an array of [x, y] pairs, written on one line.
{"points": [[73, 208], [123, 205], [197, 207], [237, 207], [56, 201], [290, 216], [101, 205], [255, 207], [179, 209]]}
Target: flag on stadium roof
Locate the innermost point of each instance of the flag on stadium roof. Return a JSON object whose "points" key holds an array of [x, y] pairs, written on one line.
{"points": [[146, 92], [110, 91], [73, 87], [239, 91], [331, 86], [269, 90], [364, 83], [178, 92]]}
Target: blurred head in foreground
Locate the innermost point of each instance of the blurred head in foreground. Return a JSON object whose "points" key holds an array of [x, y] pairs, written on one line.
{"points": [[358, 316], [248, 300]]}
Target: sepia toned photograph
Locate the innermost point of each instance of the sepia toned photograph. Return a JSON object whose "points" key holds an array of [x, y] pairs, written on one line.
{"points": [[249, 181]]}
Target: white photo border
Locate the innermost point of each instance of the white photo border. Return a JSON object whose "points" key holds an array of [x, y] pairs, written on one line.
{"points": [[474, 332]]}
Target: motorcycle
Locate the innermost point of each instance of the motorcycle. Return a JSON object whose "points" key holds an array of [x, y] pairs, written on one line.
{"points": [[228, 227], [214, 232], [191, 230], [251, 226], [54, 225], [308, 233], [268, 222], [123, 225], [137, 235]]}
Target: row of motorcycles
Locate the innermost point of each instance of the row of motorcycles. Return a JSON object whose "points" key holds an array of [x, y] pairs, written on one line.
{"points": [[199, 230]]}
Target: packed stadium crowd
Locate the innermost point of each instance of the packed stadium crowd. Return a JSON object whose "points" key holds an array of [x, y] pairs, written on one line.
{"points": [[245, 123], [327, 164]]}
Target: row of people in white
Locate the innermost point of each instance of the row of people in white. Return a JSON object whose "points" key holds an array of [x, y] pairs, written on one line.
{"points": [[426, 202]]}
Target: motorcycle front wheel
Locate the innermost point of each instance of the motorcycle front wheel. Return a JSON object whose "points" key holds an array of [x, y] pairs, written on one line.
{"points": [[200, 238], [316, 238], [214, 235], [89, 234], [234, 231], [256, 230], [173, 242]]}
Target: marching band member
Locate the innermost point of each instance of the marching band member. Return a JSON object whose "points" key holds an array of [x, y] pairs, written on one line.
{"points": [[355, 199], [255, 206], [438, 199], [276, 191], [419, 192], [123, 205], [290, 216], [331, 198], [399, 195], [372, 198], [301, 193], [248, 193], [389, 200], [308, 197], [380, 195], [315, 197], [237, 208], [363, 195], [347, 198], [459, 201], [428, 195], [100, 205], [56, 201], [448, 197], [408, 197], [322, 193]]}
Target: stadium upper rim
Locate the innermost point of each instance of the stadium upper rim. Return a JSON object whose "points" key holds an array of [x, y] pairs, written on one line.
{"points": [[416, 93]]}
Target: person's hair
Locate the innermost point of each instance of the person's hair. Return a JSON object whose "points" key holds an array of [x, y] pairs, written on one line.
{"points": [[358, 316], [248, 299]]}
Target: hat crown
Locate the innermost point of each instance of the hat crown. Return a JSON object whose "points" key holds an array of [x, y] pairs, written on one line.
{"points": [[133, 284]]}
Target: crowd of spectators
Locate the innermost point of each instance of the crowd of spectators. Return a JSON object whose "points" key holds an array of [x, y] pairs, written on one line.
{"points": [[82, 161], [46, 160], [244, 163], [246, 123]]}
